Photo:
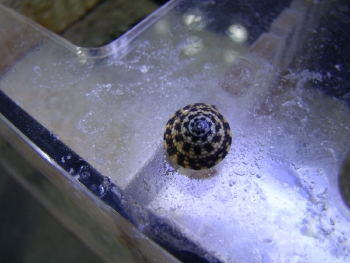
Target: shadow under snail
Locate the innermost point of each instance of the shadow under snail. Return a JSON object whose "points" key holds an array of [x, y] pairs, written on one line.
{"points": [[197, 136]]}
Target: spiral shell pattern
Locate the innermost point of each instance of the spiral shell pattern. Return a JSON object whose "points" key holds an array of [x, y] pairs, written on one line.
{"points": [[197, 136]]}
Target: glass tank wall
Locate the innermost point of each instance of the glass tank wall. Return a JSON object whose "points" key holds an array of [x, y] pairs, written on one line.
{"points": [[277, 70]]}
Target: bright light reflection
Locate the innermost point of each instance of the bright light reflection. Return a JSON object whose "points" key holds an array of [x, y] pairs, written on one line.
{"points": [[193, 21]]}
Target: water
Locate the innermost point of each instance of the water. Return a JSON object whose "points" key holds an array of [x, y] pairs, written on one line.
{"points": [[274, 198]]}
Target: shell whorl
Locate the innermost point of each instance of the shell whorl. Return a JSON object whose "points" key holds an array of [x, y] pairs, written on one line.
{"points": [[197, 136]]}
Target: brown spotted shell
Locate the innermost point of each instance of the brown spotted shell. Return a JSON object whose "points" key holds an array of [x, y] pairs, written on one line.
{"points": [[197, 136]]}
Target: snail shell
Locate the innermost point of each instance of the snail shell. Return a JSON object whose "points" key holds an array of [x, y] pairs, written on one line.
{"points": [[197, 136]]}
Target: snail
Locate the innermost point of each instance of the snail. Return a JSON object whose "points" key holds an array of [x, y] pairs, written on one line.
{"points": [[197, 136]]}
